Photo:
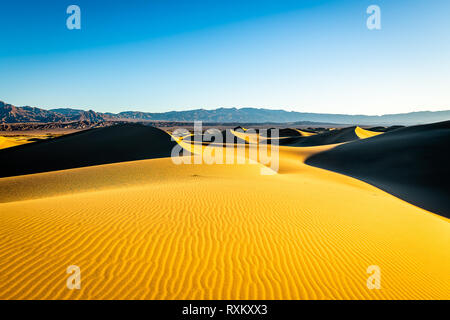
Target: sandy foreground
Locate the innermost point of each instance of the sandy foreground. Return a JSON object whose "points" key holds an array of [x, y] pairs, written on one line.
{"points": [[151, 229]]}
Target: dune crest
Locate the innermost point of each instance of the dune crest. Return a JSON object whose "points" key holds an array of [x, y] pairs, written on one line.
{"points": [[364, 134], [305, 133]]}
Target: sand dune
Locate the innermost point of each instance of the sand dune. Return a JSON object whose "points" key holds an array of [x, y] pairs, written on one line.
{"points": [[238, 139], [331, 137], [288, 132], [282, 132], [247, 137], [305, 133], [385, 129], [364, 134], [91, 147], [255, 137], [151, 229], [227, 134], [411, 163], [8, 142]]}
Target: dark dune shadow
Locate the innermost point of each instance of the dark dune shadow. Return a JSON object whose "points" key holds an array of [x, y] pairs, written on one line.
{"points": [[385, 129], [118, 143], [283, 132], [411, 163], [289, 133], [330, 137]]}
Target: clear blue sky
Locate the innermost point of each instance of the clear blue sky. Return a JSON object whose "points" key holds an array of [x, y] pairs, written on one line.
{"points": [[161, 55]]}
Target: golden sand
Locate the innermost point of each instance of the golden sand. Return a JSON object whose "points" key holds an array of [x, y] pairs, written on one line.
{"points": [[8, 142], [363, 133], [305, 133], [151, 229], [12, 141]]}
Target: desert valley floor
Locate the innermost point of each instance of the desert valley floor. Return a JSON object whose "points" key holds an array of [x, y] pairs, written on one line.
{"points": [[112, 202]]}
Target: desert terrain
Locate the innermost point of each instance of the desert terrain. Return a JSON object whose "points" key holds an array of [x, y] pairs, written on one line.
{"points": [[112, 201]]}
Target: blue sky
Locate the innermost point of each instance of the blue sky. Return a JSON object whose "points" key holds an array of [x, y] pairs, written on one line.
{"points": [[161, 55]]}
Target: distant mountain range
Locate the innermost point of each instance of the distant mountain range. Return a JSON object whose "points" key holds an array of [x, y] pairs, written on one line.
{"points": [[13, 114]]}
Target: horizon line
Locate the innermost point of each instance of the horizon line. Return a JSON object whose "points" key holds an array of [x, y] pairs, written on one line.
{"points": [[217, 108]]}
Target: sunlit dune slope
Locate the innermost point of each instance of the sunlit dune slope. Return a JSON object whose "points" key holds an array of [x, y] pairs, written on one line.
{"points": [[91, 147], [18, 140], [8, 142], [306, 133], [228, 133], [256, 137], [107, 177], [411, 163], [151, 229], [363, 133]]}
